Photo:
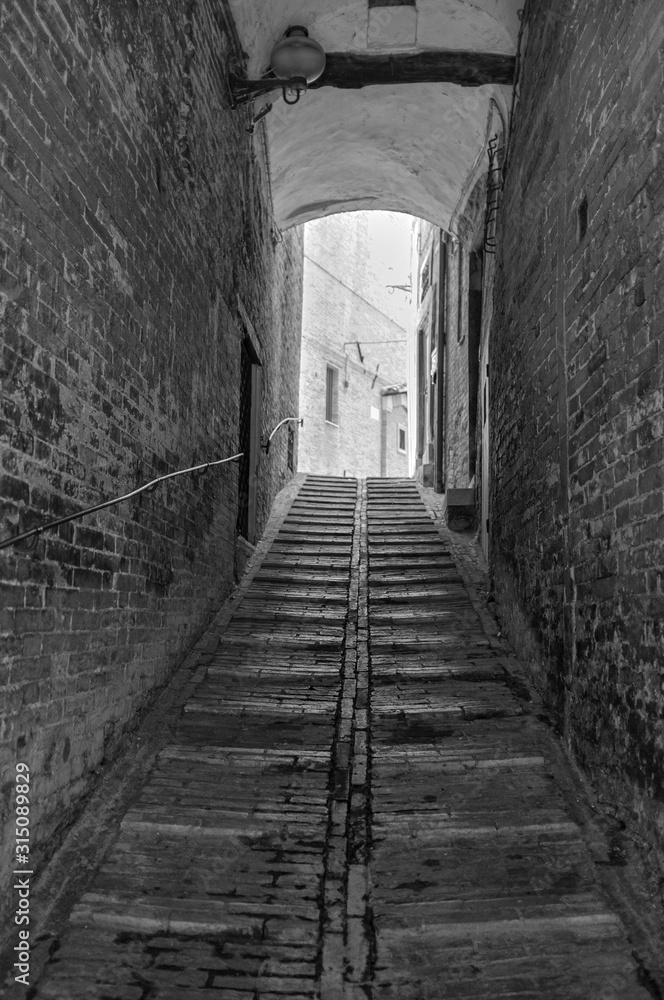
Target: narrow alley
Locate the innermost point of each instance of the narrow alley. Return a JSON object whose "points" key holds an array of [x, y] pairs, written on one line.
{"points": [[360, 801], [332, 499]]}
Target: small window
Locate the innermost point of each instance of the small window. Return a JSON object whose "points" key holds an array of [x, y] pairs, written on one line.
{"points": [[401, 440], [425, 280], [332, 395]]}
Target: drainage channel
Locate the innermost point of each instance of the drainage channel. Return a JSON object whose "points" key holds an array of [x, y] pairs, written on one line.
{"points": [[347, 936]]}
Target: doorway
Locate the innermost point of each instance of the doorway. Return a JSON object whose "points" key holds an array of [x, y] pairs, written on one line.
{"points": [[250, 439], [474, 338], [421, 392], [484, 399]]}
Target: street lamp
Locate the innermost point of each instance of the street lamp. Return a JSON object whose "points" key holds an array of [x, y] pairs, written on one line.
{"points": [[295, 62]]}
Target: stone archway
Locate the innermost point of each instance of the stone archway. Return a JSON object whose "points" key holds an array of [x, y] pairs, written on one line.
{"points": [[412, 148]]}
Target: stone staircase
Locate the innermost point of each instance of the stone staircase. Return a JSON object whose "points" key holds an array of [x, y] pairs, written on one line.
{"points": [[356, 804]]}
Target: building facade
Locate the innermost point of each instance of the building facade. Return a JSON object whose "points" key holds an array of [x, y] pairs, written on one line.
{"points": [[356, 304], [447, 362]]}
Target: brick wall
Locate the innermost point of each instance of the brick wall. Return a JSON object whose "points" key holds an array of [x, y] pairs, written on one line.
{"points": [[346, 300], [577, 375], [462, 348], [423, 335], [456, 436], [134, 213]]}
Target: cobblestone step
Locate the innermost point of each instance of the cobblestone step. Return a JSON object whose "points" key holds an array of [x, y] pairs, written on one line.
{"points": [[293, 564], [406, 540], [393, 562], [289, 578], [386, 597]]}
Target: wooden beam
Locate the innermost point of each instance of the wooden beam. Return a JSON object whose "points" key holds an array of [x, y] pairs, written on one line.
{"points": [[353, 70]]}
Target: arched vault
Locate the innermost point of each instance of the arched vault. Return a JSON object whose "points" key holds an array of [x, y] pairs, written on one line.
{"points": [[414, 147]]}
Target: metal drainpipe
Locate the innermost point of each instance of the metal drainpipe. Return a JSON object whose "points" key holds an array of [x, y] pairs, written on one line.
{"points": [[440, 376]]}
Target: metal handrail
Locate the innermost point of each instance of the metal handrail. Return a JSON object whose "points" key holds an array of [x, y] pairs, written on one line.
{"points": [[109, 503], [34, 532], [299, 420]]}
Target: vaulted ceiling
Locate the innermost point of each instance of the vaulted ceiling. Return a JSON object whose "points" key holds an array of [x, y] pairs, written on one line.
{"points": [[414, 148]]}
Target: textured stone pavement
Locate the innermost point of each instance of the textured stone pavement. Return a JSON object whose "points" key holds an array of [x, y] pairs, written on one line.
{"points": [[357, 804]]}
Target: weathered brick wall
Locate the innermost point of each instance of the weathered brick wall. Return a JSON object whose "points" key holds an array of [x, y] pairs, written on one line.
{"points": [[470, 230], [577, 376], [345, 300], [456, 376], [423, 334], [134, 212]]}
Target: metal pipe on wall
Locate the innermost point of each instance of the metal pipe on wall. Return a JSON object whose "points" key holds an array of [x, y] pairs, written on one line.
{"points": [[439, 458]]}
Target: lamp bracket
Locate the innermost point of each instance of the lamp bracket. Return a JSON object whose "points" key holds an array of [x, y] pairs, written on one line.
{"points": [[243, 90], [265, 110]]}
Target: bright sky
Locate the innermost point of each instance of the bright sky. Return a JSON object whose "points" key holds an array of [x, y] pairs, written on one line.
{"points": [[390, 259]]}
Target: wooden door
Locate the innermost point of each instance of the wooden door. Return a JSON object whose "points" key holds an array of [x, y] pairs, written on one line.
{"points": [[486, 458], [249, 439]]}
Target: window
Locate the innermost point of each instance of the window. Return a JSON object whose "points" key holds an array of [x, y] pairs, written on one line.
{"points": [[401, 439], [332, 395], [422, 383], [425, 278]]}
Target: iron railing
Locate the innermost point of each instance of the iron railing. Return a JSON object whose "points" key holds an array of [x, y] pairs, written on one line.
{"points": [[493, 194], [152, 485], [298, 420]]}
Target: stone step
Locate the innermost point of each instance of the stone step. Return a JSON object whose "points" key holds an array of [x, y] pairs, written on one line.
{"points": [[355, 799]]}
